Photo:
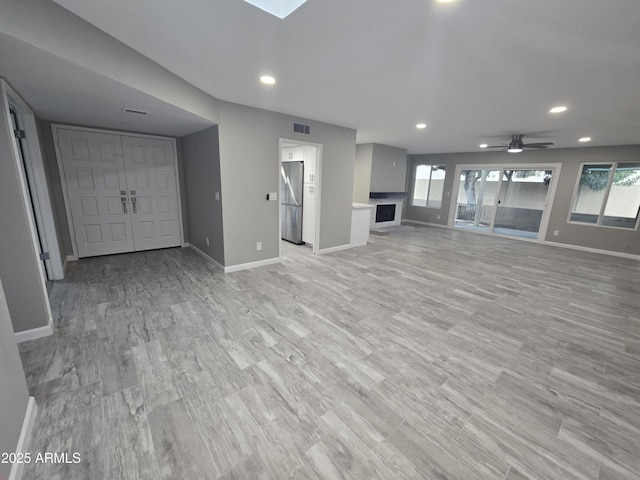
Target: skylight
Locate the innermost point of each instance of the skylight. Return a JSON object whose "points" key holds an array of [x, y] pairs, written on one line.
{"points": [[278, 8]]}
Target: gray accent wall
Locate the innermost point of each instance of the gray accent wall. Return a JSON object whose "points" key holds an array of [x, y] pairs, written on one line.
{"points": [[580, 235], [201, 163], [249, 167], [388, 168], [14, 395], [362, 173], [23, 286]]}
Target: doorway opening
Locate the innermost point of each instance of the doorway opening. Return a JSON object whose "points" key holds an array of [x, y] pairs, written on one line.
{"points": [[505, 200], [299, 180]]}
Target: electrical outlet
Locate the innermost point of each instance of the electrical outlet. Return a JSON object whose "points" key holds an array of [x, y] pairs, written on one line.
{"points": [[258, 246], [394, 163], [438, 217], [206, 240], [217, 196], [556, 233]]}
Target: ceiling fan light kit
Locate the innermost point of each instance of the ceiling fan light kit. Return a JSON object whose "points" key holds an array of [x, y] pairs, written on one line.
{"points": [[516, 145]]}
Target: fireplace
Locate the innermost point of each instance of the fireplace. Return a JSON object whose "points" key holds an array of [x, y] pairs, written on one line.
{"points": [[388, 210], [385, 212]]}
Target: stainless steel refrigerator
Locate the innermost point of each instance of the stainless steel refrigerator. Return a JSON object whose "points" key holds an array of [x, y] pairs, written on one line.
{"points": [[291, 186]]}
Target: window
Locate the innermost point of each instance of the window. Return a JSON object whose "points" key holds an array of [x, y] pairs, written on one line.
{"points": [[608, 195], [428, 186]]}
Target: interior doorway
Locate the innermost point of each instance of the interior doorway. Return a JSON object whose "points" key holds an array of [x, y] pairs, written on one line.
{"points": [[299, 199], [506, 200]]}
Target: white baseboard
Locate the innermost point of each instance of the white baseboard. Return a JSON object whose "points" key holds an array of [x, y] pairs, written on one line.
{"points": [[35, 332], [334, 249], [427, 224], [357, 244], [25, 438], [70, 258], [543, 242], [206, 257], [245, 266], [592, 250]]}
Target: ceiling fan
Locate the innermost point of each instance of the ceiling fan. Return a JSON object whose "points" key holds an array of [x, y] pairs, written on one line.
{"points": [[516, 145]]}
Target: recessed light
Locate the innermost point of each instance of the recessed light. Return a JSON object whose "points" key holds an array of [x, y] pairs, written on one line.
{"points": [[558, 109], [584, 139], [446, 1], [267, 79], [483, 145], [421, 125]]}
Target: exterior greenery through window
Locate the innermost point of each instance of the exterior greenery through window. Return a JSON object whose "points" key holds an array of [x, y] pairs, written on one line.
{"points": [[428, 186], [608, 195]]}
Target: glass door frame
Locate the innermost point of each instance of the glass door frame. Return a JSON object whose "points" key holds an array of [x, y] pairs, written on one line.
{"points": [[546, 214]]}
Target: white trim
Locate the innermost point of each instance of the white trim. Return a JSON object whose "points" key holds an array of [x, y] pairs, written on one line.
{"points": [[335, 249], [58, 126], [245, 266], [34, 333], [315, 247], [593, 250], [543, 242], [546, 213], [206, 257], [36, 177], [71, 258], [25, 438], [426, 224], [31, 221]]}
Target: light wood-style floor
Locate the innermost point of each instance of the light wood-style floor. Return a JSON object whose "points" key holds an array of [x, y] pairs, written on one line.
{"points": [[429, 353]]}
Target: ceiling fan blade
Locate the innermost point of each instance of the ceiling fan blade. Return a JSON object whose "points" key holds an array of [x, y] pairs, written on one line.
{"points": [[497, 146], [537, 145]]}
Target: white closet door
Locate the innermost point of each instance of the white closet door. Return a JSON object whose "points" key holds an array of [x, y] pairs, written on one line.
{"points": [[95, 179], [151, 177]]}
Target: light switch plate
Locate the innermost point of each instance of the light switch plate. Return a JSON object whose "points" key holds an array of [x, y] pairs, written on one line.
{"points": [[217, 196]]}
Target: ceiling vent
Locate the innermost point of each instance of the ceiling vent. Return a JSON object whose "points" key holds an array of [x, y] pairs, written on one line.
{"points": [[133, 110], [301, 128]]}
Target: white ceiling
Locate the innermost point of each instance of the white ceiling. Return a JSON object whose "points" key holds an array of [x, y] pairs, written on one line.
{"points": [[474, 70]]}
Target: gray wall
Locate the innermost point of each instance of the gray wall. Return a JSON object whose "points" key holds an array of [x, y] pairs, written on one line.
{"points": [[249, 157], [201, 162], [388, 168], [14, 395], [362, 173], [615, 240], [48, 26], [18, 257]]}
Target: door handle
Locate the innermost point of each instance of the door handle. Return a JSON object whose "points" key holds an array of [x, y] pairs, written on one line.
{"points": [[124, 205], [134, 201]]}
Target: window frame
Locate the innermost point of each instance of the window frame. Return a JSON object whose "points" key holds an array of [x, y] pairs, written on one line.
{"points": [[603, 206], [415, 178]]}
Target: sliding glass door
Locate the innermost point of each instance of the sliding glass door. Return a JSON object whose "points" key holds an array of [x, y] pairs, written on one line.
{"points": [[504, 201], [477, 199]]}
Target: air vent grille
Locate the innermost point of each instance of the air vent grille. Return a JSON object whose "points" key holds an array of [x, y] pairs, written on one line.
{"points": [[133, 110], [301, 128]]}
